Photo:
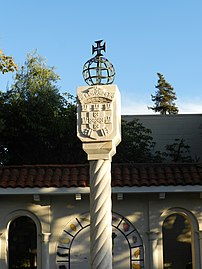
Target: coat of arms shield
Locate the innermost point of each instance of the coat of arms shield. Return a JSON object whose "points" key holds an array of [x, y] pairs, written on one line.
{"points": [[96, 120]]}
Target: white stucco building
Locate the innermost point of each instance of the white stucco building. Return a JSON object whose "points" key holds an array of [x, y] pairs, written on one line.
{"points": [[157, 213]]}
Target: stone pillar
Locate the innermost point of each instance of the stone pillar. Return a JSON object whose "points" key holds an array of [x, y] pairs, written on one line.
{"points": [[198, 255], [98, 127], [154, 251], [2, 252], [45, 250], [100, 211]]}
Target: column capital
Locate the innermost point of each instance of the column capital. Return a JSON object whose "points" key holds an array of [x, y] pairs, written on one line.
{"points": [[46, 237], [199, 234], [153, 235], [100, 150]]}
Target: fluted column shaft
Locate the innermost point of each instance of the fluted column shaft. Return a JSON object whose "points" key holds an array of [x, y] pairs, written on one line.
{"points": [[100, 213]]}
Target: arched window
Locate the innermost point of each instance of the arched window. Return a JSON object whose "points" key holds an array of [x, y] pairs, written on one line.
{"points": [[73, 245], [177, 239], [22, 244]]}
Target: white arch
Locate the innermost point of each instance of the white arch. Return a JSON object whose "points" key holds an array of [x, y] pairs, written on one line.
{"points": [[196, 259], [4, 227], [182, 211], [19, 213], [82, 221]]}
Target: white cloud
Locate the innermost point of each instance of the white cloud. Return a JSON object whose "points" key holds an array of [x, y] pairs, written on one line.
{"points": [[140, 108], [190, 107], [135, 108]]}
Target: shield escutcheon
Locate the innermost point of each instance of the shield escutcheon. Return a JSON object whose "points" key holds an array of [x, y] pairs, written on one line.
{"points": [[96, 120]]}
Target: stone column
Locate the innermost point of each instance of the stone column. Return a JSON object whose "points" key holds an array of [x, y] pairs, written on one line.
{"points": [[199, 252], [2, 252], [45, 250], [100, 211], [154, 251], [99, 129]]}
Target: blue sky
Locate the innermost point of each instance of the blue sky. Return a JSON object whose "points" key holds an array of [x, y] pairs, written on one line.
{"points": [[143, 37]]}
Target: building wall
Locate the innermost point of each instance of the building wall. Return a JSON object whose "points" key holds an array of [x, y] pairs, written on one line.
{"points": [[166, 128], [146, 212]]}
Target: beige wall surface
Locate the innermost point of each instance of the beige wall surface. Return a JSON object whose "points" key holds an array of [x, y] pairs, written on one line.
{"points": [[166, 128], [146, 212]]}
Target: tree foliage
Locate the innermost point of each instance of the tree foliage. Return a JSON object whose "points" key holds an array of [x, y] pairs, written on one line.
{"points": [[178, 151], [137, 143], [38, 123], [7, 63], [164, 97]]}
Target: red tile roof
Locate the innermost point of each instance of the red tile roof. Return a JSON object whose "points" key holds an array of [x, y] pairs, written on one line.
{"points": [[30, 176]]}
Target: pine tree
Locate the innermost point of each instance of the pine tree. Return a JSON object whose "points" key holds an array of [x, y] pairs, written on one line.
{"points": [[164, 97]]}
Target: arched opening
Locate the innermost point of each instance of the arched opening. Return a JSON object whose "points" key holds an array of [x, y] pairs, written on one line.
{"points": [[177, 242], [73, 246], [22, 244]]}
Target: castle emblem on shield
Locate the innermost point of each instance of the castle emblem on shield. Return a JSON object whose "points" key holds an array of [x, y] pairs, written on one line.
{"points": [[96, 113]]}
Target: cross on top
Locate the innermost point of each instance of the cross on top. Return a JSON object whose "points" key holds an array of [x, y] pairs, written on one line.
{"points": [[99, 47]]}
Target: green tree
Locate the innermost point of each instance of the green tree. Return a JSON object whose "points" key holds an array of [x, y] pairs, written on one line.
{"points": [[38, 123], [137, 144], [7, 63], [164, 97], [178, 151]]}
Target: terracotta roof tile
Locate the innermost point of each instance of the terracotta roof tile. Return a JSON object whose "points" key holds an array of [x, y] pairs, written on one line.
{"points": [[122, 175], [116, 175], [187, 176], [134, 177]]}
